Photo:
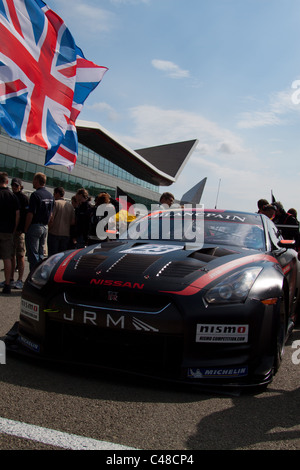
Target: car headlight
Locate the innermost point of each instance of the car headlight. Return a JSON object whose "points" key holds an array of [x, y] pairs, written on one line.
{"points": [[42, 273], [233, 289]]}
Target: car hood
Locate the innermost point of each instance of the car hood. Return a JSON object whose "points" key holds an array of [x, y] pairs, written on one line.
{"points": [[159, 265]]}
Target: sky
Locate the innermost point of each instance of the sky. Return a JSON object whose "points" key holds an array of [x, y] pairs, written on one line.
{"points": [[224, 72]]}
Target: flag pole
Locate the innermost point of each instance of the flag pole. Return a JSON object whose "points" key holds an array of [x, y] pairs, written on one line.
{"points": [[218, 193]]}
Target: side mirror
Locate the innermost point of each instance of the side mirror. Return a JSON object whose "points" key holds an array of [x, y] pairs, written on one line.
{"points": [[287, 244]]}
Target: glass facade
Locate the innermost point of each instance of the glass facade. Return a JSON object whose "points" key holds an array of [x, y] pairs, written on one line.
{"points": [[86, 158], [91, 159]]}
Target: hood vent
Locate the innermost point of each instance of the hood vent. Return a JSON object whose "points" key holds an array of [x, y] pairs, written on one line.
{"points": [[209, 254], [89, 263], [179, 269], [106, 246], [196, 261], [132, 264]]}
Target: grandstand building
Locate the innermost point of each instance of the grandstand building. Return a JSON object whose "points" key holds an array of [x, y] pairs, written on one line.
{"points": [[103, 164]]}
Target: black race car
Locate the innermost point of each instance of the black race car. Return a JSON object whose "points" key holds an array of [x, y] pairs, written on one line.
{"points": [[199, 297]]}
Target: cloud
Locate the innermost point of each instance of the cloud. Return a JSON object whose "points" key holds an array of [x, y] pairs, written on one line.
{"points": [[225, 147], [250, 120], [279, 106], [155, 126], [93, 19], [104, 108], [171, 69], [220, 154]]}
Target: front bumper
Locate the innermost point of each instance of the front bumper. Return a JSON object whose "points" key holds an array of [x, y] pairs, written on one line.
{"points": [[161, 343]]}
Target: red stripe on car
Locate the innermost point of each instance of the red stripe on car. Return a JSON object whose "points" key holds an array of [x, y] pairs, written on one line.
{"points": [[215, 273], [61, 270]]}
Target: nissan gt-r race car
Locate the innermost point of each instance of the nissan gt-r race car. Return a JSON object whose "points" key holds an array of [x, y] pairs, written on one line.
{"points": [[187, 295]]}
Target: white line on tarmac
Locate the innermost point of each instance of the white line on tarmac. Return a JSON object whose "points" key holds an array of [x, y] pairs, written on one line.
{"points": [[55, 438]]}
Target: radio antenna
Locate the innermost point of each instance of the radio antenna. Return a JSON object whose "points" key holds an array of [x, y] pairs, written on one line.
{"points": [[218, 193]]}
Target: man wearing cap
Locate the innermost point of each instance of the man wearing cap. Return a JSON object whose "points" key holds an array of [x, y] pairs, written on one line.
{"points": [[9, 220]]}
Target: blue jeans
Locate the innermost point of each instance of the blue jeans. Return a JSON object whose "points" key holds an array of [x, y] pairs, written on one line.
{"points": [[35, 240], [57, 244]]}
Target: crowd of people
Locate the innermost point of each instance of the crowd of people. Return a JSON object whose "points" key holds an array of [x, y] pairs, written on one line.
{"points": [[43, 223], [286, 221], [46, 223]]}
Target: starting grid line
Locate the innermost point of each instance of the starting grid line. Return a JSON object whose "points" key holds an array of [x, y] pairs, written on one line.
{"points": [[55, 438]]}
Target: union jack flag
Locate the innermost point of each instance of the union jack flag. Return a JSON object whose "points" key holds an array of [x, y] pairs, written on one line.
{"points": [[44, 79]]}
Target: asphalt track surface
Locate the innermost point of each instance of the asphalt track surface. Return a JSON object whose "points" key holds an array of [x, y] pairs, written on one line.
{"points": [[50, 408]]}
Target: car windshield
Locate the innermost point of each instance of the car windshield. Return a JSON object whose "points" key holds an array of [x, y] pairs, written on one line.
{"points": [[205, 228], [233, 233]]}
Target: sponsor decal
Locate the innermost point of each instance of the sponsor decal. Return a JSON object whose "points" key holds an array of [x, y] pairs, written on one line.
{"points": [[217, 373], [231, 217], [222, 333], [29, 344], [122, 322], [152, 249], [111, 282], [30, 310], [286, 269], [140, 325]]}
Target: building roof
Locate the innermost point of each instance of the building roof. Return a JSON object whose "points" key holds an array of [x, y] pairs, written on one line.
{"points": [[159, 165]]}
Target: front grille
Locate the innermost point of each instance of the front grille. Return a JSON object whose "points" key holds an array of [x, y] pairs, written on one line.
{"points": [[125, 300], [131, 351]]}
